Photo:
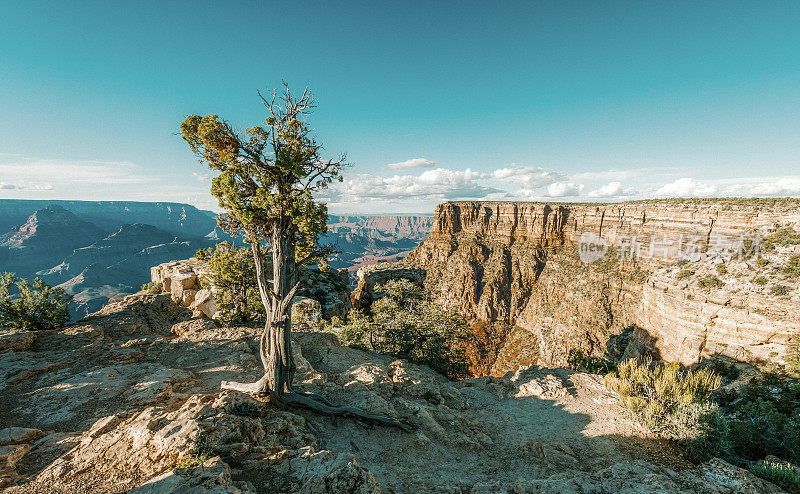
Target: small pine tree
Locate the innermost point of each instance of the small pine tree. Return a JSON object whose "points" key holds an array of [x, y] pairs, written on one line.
{"points": [[31, 306]]}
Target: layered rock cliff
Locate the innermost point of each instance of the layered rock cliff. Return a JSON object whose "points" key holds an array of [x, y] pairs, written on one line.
{"points": [[575, 275]]}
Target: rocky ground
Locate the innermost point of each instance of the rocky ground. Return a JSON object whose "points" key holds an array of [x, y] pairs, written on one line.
{"points": [[129, 400]]}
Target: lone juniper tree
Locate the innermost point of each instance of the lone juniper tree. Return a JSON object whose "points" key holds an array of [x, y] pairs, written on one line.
{"points": [[267, 177]]}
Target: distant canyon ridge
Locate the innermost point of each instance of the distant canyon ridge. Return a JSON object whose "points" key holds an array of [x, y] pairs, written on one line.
{"points": [[97, 250]]}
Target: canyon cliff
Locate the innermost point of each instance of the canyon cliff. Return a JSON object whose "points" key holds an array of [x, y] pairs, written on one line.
{"points": [[612, 278]]}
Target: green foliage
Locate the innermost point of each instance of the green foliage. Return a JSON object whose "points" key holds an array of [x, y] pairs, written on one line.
{"points": [[780, 474], [203, 254], [792, 267], [685, 273], [404, 323], [723, 368], [664, 398], [712, 438], [152, 288], [710, 281], [200, 453], [267, 173], [762, 262], [759, 429], [760, 280], [722, 269], [234, 276], [762, 419], [780, 290], [31, 306], [579, 361], [783, 237]]}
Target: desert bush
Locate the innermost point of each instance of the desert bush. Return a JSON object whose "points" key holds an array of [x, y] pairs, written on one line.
{"points": [[201, 452], [711, 281], [760, 280], [152, 288], [579, 361], [665, 398], [758, 428], [685, 273], [762, 419], [762, 261], [792, 267], [722, 269], [31, 306], [780, 474], [404, 323], [780, 290], [784, 236]]}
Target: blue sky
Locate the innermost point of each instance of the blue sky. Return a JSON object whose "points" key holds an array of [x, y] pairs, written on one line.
{"points": [[555, 101]]}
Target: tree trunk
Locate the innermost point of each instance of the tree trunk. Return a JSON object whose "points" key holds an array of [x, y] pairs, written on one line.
{"points": [[275, 344]]}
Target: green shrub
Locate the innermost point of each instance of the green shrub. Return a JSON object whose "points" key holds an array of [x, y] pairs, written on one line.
{"points": [[664, 398], [792, 267], [201, 452], [404, 323], [762, 419], [780, 474], [685, 273], [711, 281], [722, 269], [780, 290], [579, 361], [31, 306], [152, 288], [712, 439], [784, 236], [762, 262], [234, 277], [759, 429], [760, 280]]}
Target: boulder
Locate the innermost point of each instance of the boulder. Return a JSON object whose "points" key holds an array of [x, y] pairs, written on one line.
{"points": [[18, 435], [16, 341], [205, 303], [9, 456]]}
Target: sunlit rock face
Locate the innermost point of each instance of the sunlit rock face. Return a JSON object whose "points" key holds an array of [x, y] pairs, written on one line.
{"points": [[575, 275]]}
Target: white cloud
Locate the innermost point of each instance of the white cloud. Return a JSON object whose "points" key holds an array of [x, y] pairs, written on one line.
{"points": [[412, 164], [528, 176], [612, 189], [31, 172], [785, 186], [564, 189], [686, 187], [438, 183], [609, 190], [201, 177]]}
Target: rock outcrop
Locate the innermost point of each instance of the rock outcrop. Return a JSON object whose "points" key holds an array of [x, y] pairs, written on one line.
{"points": [[574, 275], [189, 283], [129, 400]]}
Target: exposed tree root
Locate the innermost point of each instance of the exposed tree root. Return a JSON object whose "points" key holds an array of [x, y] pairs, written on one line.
{"points": [[259, 387], [324, 406], [317, 403]]}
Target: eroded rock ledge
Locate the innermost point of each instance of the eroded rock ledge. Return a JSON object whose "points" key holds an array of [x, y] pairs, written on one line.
{"points": [[519, 263], [128, 400]]}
